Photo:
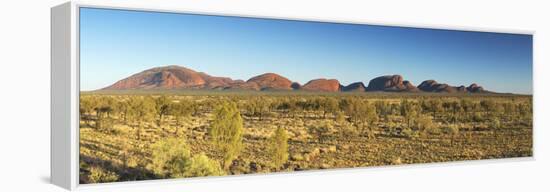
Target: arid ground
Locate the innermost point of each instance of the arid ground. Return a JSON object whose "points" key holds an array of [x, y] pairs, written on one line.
{"points": [[127, 136]]}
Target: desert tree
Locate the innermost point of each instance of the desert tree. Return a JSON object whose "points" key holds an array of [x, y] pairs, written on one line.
{"points": [[435, 106], [226, 131], [383, 108], [181, 111], [370, 118], [351, 107], [102, 117], [87, 104], [283, 105], [347, 131], [287, 106], [327, 105], [525, 110], [468, 106], [495, 109], [345, 104], [452, 130], [293, 107], [278, 148], [510, 110], [123, 107], [456, 108], [195, 108], [363, 114], [162, 105], [305, 105], [322, 132], [105, 105], [259, 107], [495, 125], [395, 108], [409, 111], [488, 105], [142, 110], [274, 104], [340, 117], [425, 124]]}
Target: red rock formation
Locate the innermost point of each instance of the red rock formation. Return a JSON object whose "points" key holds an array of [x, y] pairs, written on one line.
{"points": [[408, 86], [357, 86], [434, 86], [170, 77], [393, 83], [244, 86], [326, 85], [271, 81], [177, 77]]}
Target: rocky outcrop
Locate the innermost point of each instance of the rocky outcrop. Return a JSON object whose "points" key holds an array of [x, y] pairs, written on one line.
{"points": [[392, 83], [434, 86], [474, 88], [325, 85], [177, 77], [295, 85], [170, 77], [271, 81], [409, 87], [243, 86], [357, 86]]}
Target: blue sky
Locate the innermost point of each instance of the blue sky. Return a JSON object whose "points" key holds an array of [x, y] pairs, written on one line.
{"points": [[115, 44]]}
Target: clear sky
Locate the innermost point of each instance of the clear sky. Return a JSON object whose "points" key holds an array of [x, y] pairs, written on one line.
{"points": [[115, 44]]}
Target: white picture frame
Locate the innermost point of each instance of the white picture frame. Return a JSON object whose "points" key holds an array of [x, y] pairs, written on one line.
{"points": [[65, 88]]}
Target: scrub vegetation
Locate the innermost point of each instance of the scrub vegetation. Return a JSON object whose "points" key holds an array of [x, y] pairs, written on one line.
{"points": [[141, 136]]}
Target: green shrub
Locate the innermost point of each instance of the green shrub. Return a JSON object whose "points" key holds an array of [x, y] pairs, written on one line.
{"points": [[451, 130], [348, 131], [340, 117], [170, 158], [495, 123], [226, 131], [424, 123], [278, 148], [477, 117], [409, 133], [100, 175], [409, 111], [322, 132], [201, 165]]}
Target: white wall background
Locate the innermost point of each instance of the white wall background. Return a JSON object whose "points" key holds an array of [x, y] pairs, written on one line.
{"points": [[25, 96]]}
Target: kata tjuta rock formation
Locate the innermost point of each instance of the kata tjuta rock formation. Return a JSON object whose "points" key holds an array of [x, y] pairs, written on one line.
{"points": [[356, 87], [177, 77], [392, 83], [171, 77], [434, 86], [271, 81], [326, 85]]}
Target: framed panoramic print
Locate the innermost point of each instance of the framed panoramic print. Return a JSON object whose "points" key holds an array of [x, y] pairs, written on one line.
{"points": [[142, 95]]}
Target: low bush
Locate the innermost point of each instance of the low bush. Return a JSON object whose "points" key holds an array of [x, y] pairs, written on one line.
{"points": [[100, 175], [201, 165]]}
